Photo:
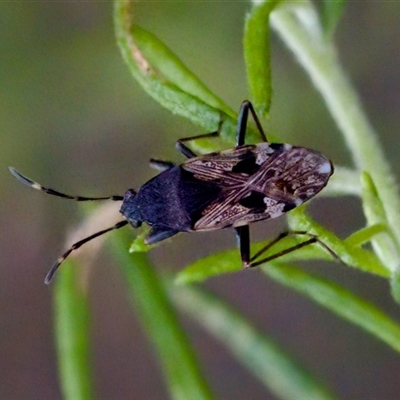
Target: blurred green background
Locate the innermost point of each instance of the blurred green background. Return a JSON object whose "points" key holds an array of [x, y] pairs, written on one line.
{"points": [[73, 118]]}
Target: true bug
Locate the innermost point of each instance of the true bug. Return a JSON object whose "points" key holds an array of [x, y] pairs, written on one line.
{"points": [[230, 188]]}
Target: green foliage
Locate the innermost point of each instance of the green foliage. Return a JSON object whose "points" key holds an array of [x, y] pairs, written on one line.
{"points": [[255, 43], [339, 300], [176, 357], [163, 75], [331, 13], [72, 317], [260, 354], [347, 250]]}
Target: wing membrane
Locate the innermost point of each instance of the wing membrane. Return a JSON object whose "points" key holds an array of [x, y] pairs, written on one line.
{"points": [[258, 182]]}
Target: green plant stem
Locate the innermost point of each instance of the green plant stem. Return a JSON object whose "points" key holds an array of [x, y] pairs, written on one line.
{"points": [[72, 318], [182, 373], [262, 355], [339, 300], [299, 27], [256, 42]]}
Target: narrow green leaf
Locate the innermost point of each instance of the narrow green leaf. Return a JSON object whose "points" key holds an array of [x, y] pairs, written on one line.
{"points": [[176, 356], [384, 243], [229, 261], [395, 286], [365, 235], [138, 245], [331, 13], [165, 65], [339, 300], [260, 354], [299, 27], [71, 310], [352, 256], [207, 267], [162, 75], [257, 55]]}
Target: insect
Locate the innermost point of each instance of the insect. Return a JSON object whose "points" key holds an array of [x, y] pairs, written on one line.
{"points": [[230, 188]]}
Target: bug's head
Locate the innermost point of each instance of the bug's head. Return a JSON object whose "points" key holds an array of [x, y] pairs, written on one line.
{"points": [[130, 209]]}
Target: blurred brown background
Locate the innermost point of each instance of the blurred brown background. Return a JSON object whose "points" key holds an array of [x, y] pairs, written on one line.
{"points": [[73, 119]]}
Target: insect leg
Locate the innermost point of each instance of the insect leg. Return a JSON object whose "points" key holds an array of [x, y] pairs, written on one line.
{"points": [[159, 233], [160, 165], [312, 239], [242, 123], [76, 246], [185, 150], [189, 153], [243, 241], [53, 192]]}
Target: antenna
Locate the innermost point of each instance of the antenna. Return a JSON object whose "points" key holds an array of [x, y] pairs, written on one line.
{"points": [[76, 245], [53, 192]]}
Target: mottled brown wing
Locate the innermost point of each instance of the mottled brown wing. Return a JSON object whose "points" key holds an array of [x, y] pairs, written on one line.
{"points": [[258, 182]]}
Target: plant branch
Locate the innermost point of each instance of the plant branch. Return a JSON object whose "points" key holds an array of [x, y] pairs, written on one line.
{"points": [[299, 27]]}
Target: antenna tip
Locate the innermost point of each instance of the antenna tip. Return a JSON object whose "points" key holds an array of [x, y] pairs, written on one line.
{"points": [[13, 171], [52, 271], [24, 179]]}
